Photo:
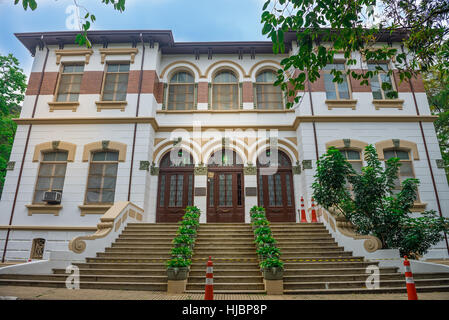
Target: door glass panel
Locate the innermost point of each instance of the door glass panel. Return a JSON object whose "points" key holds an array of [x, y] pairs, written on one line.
{"points": [[211, 192], [239, 189], [271, 191], [162, 191], [180, 191], [221, 190], [171, 201], [190, 190], [278, 190], [229, 190], [288, 189], [260, 189]]}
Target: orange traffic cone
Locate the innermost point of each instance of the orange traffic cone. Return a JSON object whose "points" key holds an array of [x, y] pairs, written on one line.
{"points": [[209, 291], [313, 212], [303, 212], [410, 283]]}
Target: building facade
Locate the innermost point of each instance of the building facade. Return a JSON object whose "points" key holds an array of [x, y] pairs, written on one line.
{"points": [[165, 124]]}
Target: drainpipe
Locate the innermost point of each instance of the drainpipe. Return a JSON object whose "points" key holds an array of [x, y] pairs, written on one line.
{"points": [[137, 114], [427, 153], [313, 122], [25, 150]]}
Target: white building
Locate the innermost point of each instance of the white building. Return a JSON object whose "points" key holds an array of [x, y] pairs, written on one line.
{"points": [[98, 126]]}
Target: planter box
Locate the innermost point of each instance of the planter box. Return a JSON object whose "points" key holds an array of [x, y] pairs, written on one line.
{"points": [[176, 286], [278, 274], [177, 273]]}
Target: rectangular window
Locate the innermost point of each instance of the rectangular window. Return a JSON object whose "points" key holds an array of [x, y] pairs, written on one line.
{"points": [[102, 177], [69, 83], [379, 79], [405, 170], [335, 90], [116, 82], [51, 174]]}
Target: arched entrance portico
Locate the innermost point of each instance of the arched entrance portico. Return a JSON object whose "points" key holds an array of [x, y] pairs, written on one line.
{"points": [[175, 186], [225, 198], [275, 186]]}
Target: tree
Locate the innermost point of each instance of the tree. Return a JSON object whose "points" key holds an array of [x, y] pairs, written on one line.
{"points": [[436, 82], [82, 38], [374, 208], [12, 89], [354, 25]]}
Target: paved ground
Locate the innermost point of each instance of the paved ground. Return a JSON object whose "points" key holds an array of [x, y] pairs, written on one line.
{"points": [[91, 294], [444, 261]]}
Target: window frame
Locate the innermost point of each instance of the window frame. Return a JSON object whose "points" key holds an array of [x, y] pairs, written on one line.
{"points": [[257, 84], [52, 176], [105, 73], [409, 160], [379, 78], [102, 176], [61, 73], [337, 93], [169, 83], [236, 84]]}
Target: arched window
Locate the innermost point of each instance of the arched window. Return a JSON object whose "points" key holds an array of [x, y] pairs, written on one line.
{"points": [[102, 177], [267, 95], [177, 158], [181, 91], [51, 174], [225, 158], [406, 168], [225, 91]]}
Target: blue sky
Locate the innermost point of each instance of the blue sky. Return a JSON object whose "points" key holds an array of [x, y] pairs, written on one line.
{"points": [[189, 20]]}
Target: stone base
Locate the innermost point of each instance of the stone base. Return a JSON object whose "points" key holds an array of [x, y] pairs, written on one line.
{"points": [[274, 286], [176, 286]]}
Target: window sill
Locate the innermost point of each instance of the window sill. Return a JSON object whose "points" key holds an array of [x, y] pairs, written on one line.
{"points": [[341, 103], [44, 209], [388, 103], [418, 207], [113, 105], [63, 106], [94, 208]]}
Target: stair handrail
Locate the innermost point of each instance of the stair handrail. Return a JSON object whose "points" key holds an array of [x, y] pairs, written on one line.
{"points": [[113, 220], [341, 226]]}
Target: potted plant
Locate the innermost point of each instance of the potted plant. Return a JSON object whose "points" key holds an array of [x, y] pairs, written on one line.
{"points": [[265, 240], [260, 223], [272, 268], [262, 230], [265, 252], [178, 268], [183, 240], [190, 223], [182, 252]]}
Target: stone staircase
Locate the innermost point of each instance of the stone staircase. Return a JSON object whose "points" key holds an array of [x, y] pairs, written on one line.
{"points": [[314, 263], [233, 252], [135, 261]]}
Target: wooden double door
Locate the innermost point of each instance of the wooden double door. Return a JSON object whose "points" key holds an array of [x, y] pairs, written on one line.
{"points": [[175, 192], [225, 198]]}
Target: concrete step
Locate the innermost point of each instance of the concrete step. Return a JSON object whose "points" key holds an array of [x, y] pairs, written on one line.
{"points": [[333, 271], [128, 246], [339, 277], [161, 261], [228, 291], [320, 255], [225, 265], [367, 291], [131, 255], [288, 250], [89, 285], [149, 241], [237, 287], [327, 265], [118, 272], [138, 250], [88, 278], [219, 279], [150, 266], [226, 272], [304, 245], [159, 235]]}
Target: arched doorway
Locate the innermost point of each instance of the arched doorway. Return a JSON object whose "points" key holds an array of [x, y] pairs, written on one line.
{"points": [[175, 186], [225, 199], [275, 186]]}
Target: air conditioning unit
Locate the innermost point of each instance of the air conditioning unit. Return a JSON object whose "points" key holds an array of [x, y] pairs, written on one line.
{"points": [[52, 197]]}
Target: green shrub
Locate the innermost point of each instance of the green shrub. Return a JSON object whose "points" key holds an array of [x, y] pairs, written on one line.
{"points": [[183, 252], [178, 262], [183, 239], [273, 262], [262, 230], [264, 239], [270, 252]]}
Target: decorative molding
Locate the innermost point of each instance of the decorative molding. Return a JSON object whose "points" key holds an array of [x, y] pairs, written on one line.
{"points": [[342, 103], [347, 143], [181, 62], [297, 168], [47, 228], [306, 164], [251, 71], [63, 106], [144, 165], [229, 62], [118, 51], [10, 165], [250, 170], [100, 145], [396, 143], [154, 171], [50, 146], [200, 170], [418, 207], [388, 103], [94, 208], [74, 52], [111, 105], [43, 209]]}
